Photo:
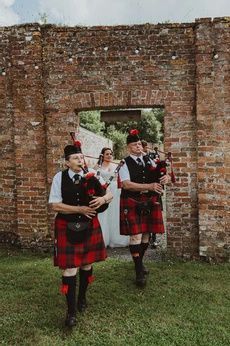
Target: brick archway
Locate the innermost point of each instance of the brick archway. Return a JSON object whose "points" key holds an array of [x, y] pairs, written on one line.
{"points": [[50, 71]]}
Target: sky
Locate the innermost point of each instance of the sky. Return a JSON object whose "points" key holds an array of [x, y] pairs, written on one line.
{"points": [[109, 12]]}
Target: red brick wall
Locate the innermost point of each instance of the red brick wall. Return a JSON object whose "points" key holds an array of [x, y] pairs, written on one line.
{"points": [[8, 216], [56, 71], [213, 136]]}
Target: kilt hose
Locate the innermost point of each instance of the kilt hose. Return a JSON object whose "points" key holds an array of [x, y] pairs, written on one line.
{"points": [[67, 255], [131, 223]]}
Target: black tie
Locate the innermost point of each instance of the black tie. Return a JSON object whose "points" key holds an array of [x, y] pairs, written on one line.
{"points": [[76, 178], [139, 162]]}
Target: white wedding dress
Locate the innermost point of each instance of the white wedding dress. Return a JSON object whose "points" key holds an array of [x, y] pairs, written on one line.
{"points": [[110, 219]]}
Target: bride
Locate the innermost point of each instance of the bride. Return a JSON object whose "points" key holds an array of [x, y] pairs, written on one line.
{"points": [[110, 219]]}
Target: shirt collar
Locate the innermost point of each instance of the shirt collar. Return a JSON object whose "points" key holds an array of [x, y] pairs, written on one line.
{"points": [[134, 157], [72, 173]]}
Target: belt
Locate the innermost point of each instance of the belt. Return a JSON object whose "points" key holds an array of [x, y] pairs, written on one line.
{"points": [[138, 194]]}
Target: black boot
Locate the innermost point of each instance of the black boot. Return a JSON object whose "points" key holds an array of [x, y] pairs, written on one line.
{"points": [[69, 289], [140, 277], [85, 278], [143, 248]]}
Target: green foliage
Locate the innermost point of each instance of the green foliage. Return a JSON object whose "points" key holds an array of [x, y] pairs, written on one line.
{"points": [[159, 115], [183, 304], [90, 120], [119, 140], [150, 126]]}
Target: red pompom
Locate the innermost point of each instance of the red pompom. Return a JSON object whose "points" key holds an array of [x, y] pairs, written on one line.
{"points": [[89, 175], [91, 279], [134, 132], [64, 289], [77, 143]]}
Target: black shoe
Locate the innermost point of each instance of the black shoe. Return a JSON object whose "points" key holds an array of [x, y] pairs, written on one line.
{"points": [[81, 305], [154, 245], [145, 270], [70, 320], [140, 280]]}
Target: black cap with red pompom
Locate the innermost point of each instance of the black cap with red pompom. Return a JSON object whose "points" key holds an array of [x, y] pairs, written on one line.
{"points": [[133, 136], [72, 149]]}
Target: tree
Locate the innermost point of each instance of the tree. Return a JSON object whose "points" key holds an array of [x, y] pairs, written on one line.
{"points": [[150, 126], [90, 120], [159, 115], [119, 140]]}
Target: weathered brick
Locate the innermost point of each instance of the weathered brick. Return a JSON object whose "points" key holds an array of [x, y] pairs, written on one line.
{"points": [[43, 89]]}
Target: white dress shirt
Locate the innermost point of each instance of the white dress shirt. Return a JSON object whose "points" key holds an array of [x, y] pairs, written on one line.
{"points": [[55, 191], [124, 172]]}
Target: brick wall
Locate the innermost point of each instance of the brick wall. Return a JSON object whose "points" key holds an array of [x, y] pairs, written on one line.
{"points": [[53, 72], [213, 136]]}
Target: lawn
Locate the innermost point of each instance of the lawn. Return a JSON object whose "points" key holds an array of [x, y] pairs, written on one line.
{"points": [[184, 303]]}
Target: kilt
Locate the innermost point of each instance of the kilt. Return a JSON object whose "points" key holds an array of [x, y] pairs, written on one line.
{"points": [[131, 223], [67, 255]]}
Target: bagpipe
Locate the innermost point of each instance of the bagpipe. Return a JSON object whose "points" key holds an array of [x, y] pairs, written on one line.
{"points": [[100, 161], [160, 167], [114, 174], [91, 182]]}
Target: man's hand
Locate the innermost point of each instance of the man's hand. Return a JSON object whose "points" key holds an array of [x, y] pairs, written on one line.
{"points": [[156, 188], [87, 211], [165, 179], [97, 202]]}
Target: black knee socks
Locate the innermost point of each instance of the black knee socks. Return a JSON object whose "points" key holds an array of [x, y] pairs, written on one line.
{"points": [[69, 289], [85, 278], [135, 252], [143, 248]]}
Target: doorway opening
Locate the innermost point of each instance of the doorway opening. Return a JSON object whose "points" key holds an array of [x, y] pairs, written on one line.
{"points": [[115, 124], [109, 128]]}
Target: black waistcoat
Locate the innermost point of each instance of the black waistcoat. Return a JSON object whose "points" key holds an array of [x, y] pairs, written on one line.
{"points": [[73, 194], [138, 174]]}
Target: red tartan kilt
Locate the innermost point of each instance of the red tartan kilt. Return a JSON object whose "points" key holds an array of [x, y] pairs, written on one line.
{"points": [[131, 223], [67, 255]]}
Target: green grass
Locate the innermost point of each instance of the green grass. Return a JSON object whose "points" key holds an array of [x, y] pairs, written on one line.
{"points": [[184, 303]]}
